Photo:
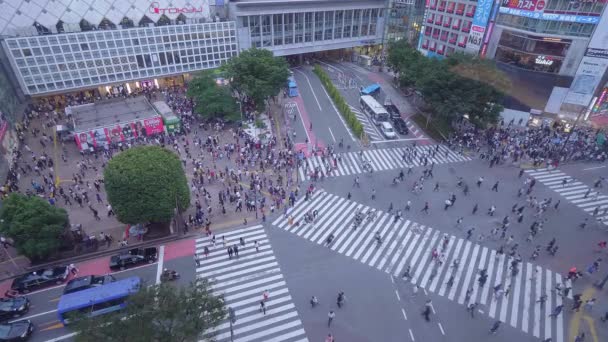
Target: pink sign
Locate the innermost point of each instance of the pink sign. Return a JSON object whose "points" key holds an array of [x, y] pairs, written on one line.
{"points": [[154, 125]]}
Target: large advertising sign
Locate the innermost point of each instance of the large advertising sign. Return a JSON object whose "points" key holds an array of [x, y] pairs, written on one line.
{"points": [[478, 27], [527, 5], [584, 19], [586, 80], [591, 70], [154, 125]]}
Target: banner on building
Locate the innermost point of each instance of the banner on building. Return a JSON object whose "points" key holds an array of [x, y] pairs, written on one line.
{"points": [[154, 125], [583, 19], [586, 80], [527, 5], [479, 24]]}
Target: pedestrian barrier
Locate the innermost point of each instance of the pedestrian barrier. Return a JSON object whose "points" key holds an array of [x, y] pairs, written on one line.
{"points": [[250, 276], [405, 252]]}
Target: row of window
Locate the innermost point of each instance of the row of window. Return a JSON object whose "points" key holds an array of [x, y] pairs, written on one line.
{"points": [[546, 26], [531, 44], [166, 33], [290, 28], [575, 7], [441, 49], [458, 8], [447, 36], [39, 87]]}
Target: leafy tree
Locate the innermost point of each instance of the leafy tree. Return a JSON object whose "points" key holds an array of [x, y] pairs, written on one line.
{"points": [[257, 74], [36, 226], [212, 100], [160, 313], [145, 184]]}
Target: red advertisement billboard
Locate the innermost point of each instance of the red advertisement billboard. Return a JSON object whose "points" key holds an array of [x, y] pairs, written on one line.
{"points": [[154, 125], [526, 5]]}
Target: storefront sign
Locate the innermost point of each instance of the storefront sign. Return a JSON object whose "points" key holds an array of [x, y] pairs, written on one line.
{"points": [[544, 60], [156, 8], [599, 53], [586, 80], [154, 125], [527, 5], [551, 16], [475, 39]]}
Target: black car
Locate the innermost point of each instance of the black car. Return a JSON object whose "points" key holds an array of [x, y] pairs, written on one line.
{"points": [[13, 307], [393, 111], [401, 126], [40, 278], [133, 257], [16, 331], [86, 282]]}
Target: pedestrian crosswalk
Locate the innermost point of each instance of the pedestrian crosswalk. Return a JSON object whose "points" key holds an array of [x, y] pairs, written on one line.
{"points": [[579, 194], [242, 280], [351, 163], [406, 244], [368, 126]]}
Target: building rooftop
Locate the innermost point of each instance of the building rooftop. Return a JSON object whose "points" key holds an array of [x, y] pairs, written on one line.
{"points": [[111, 112]]}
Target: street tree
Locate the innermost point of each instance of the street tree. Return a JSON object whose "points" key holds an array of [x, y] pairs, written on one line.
{"points": [[161, 313], [146, 184], [212, 100], [36, 227], [257, 74]]}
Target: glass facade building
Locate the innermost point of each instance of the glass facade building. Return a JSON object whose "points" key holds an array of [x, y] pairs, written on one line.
{"points": [[69, 61], [404, 20]]}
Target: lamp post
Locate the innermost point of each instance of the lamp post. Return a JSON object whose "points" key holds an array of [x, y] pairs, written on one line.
{"points": [[232, 316]]}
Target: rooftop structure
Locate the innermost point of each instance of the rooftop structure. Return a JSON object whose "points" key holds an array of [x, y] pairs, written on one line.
{"points": [[110, 113]]}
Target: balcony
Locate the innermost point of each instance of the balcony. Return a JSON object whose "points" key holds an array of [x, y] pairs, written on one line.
{"points": [[427, 33], [441, 8], [456, 26], [447, 24], [438, 21], [425, 45], [462, 44], [440, 52], [436, 36], [450, 9], [430, 19]]}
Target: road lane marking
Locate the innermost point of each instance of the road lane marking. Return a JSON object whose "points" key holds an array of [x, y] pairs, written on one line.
{"points": [[61, 338], [412, 335], [441, 328], [34, 316], [397, 140], [593, 168], [332, 134], [404, 315], [56, 325], [161, 260], [312, 90], [397, 293]]}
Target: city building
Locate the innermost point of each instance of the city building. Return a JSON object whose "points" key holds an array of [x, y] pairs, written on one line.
{"points": [[60, 46], [548, 36], [292, 27], [454, 26], [404, 20]]}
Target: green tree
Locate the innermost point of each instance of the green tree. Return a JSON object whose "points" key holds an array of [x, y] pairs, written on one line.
{"points": [[212, 100], [257, 74], [161, 313], [145, 184], [35, 226]]}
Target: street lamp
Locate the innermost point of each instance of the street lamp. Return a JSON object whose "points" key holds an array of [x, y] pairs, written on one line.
{"points": [[232, 316]]}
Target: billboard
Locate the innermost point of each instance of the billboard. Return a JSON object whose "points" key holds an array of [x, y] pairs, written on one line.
{"points": [[478, 27], [527, 5], [592, 68], [586, 80], [583, 19]]}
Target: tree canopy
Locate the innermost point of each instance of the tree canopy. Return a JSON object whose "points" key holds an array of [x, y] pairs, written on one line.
{"points": [[35, 226], [257, 74], [453, 87], [144, 184], [161, 313], [211, 99]]}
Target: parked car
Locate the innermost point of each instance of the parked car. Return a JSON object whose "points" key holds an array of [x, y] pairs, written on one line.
{"points": [[13, 307], [393, 111], [86, 282], [40, 278], [401, 126], [387, 130], [16, 331], [133, 257]]}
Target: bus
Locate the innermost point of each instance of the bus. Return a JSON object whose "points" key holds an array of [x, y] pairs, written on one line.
{"points": [[97, 300], [376, 111]]}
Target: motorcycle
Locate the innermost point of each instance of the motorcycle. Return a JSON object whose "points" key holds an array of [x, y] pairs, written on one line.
{"points": [[168, 275]]}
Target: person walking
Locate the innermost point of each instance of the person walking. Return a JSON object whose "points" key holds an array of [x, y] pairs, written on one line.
{"points": [[556, 311], [256, 244], [313, 301], [230, 251], [471, 309], [426, 208], [495, 187], [330, 317], [235, 248], [495, 327], [206, 252], [263, 307], [196, 260]]}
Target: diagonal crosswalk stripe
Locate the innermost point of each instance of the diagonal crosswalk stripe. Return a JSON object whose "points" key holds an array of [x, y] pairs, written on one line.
{"points": [[407, 244], [577, 193], [242, 280], [350, 163]]}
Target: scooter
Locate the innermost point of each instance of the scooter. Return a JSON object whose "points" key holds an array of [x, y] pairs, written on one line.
{"points": [[169, 276]]}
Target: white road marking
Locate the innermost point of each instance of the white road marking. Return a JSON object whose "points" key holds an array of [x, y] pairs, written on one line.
{"points": [[593, 168], [412, 335], [311, 89], [161, 260], [441, 328], [404, 315], [33, 316], [332, 133], [396, 140], [397, 294]]}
